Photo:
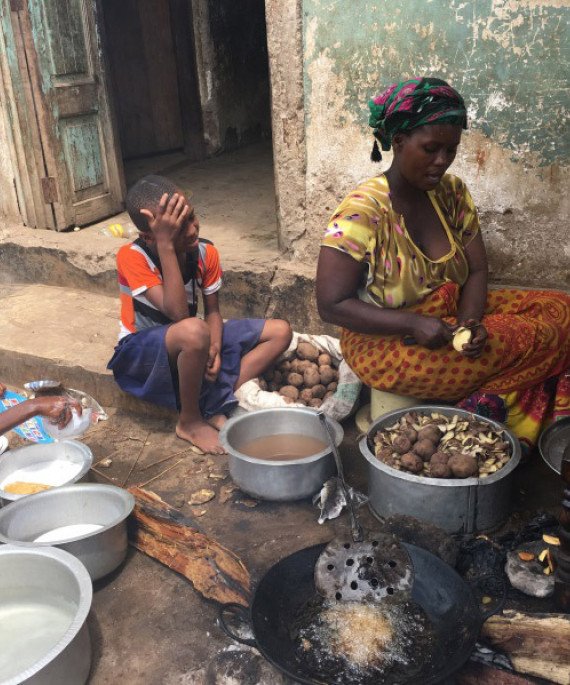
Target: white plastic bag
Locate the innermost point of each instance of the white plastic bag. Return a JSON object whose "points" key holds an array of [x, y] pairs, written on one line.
{"points": [[339, 406]]}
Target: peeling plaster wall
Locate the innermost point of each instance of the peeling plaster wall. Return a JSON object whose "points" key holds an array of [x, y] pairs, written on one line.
{"points": [[509, 58], [284, 39], [231, 53]]}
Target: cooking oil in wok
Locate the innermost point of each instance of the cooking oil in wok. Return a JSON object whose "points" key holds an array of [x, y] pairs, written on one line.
{"points": [[31, 623], [283, 447], [355, 643]]}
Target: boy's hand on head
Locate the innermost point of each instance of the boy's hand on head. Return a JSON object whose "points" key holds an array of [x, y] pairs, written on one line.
{"points": [[213, 365], [169, 219]]}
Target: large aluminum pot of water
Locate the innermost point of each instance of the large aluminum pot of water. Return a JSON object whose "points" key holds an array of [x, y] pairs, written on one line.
{"points": [[295, 456], [45, 596]]}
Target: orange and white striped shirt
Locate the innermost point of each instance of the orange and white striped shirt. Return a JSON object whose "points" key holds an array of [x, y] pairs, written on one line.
{"points": [[139, 270]]}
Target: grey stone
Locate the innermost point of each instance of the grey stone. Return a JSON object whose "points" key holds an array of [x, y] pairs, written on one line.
{"points": [[528, 576]]}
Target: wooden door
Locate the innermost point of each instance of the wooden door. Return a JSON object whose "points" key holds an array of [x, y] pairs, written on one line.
{"points": [[68, 154]]}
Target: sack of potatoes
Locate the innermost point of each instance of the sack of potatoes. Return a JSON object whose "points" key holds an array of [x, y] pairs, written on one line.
{"points": [[306, 378], [324, 380]]}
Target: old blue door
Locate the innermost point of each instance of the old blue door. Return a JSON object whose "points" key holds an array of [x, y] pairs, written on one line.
{"points": [[65, 144]]}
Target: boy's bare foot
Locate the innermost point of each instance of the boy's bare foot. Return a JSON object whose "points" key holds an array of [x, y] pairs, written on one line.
{"points": [[202, 435], [217, 420]]}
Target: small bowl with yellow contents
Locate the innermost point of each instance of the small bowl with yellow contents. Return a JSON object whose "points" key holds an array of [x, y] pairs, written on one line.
{"points": [[36, 468]]}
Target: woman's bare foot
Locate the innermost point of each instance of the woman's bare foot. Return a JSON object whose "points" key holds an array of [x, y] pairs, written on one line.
{"points": [[217, 420], [202, 435]]}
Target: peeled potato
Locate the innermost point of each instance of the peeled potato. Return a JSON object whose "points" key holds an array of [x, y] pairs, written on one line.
{"points": [[461, 337]]}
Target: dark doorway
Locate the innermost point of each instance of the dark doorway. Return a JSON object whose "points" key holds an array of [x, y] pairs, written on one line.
{"points": [[149, 46], [196, 85]]}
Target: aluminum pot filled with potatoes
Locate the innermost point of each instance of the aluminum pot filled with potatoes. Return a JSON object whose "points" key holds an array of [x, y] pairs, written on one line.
{"points": [[443, 465]]}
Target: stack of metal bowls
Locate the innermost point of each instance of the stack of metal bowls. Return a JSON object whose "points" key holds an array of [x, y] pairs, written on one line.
{"points": [[57, 542]]}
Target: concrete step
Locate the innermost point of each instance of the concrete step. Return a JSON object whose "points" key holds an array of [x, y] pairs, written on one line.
{"points": [[62, 334]]}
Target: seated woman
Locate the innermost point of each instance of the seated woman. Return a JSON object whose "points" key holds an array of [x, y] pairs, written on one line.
{"points": [[403, 264]]}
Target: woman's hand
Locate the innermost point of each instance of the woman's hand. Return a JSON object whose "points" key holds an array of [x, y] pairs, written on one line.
{"points": [[213, 365], [474, 348], [169, 219], [431, 332], [58, 409]]}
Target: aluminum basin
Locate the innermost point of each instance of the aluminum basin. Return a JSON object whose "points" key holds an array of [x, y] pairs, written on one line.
{"points": [[73, 457], [457, 505], [274, 480], [84, 505], [45, 596]]}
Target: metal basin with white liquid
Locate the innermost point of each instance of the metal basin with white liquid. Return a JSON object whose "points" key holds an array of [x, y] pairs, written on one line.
{"points": [[88, 520], [45, 597]]}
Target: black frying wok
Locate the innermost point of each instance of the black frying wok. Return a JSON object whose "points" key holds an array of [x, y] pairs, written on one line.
{"points": [[444, 596]]}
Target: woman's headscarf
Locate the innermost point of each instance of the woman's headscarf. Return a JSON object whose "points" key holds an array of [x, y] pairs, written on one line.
{"points": [[409, 104]]}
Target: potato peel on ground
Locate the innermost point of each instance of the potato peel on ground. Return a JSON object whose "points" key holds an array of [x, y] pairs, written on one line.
{"points": [[201, 496]]}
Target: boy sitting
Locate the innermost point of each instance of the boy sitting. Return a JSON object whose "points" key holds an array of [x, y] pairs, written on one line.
{"points": [[166, 354]]}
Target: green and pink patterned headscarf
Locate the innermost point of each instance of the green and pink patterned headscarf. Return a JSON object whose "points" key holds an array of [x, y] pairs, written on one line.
{"points": [[413, 103]]}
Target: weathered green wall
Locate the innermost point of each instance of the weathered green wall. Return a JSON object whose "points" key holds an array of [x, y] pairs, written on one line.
{"points": [[509, 58]]}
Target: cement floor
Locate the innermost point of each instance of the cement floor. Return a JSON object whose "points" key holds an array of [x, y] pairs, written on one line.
{"points": [[148, 624]]}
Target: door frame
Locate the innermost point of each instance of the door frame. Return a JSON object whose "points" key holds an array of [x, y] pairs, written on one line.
{"points": [[36, 148]]}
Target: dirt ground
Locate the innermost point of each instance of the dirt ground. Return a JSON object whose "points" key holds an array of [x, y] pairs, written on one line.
{"points": [[148, 624]]}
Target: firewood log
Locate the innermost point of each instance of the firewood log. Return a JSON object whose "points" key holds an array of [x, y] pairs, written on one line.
{"points": [[163, 533], [537, 644]]}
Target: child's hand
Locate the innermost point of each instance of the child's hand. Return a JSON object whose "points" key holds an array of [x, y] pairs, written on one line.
{"points": [[57, 409], [169, 219], [213, 365], [2, 389]]}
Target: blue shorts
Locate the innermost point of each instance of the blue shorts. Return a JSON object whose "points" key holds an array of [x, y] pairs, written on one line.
{"points": [[140, 366]]}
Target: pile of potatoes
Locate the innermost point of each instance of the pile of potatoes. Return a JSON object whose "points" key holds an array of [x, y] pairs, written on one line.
{"points": [[438, 446], [309, 378]]}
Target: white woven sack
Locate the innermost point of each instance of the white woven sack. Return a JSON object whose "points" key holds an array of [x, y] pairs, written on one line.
{"points": [[338, 406]]}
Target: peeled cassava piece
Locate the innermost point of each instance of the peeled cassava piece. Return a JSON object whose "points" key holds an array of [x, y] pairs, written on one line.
{"points": [[462, 336]]}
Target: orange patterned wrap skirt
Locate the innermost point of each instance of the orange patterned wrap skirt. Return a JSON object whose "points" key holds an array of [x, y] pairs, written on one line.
{"points": [[522, 378]]}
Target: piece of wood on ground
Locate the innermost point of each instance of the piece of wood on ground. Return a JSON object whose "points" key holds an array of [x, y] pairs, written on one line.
{"points": [[537, 644], [163, 533], [481, 674]]}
